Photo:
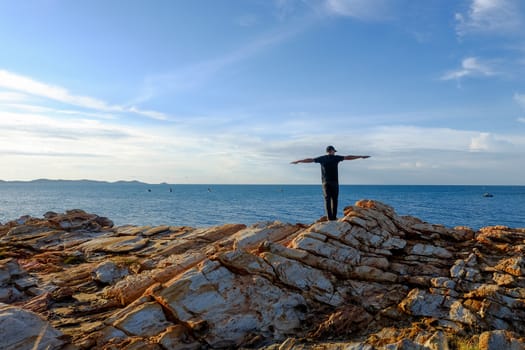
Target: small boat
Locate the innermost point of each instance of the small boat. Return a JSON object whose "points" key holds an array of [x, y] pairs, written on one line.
{"points": [[486, 194]]}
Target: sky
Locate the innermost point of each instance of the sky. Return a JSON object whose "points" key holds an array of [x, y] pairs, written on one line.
{"points": [[232, 91]]}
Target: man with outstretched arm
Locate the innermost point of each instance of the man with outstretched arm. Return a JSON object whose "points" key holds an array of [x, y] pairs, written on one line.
{"points": [[330, 177]]}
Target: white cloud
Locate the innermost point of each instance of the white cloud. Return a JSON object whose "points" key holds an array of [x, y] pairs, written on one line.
{"points": [[471, 67], [488, 142], [9, 96], [361, 9], [490, 16], [30, 86]]}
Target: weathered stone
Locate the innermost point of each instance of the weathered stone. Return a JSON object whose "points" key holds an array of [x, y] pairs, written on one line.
{"points": [[499, 340], [438, 341], [146, 320], [246, 263], [369, 273], [178, 338], [131, 287], [5, 276], [430, 250], [213, 294], [376, 296], [156, 230], [254, 235], [514, 266], [25, 283], [108, 272], [346, 254], [422, 303], [333, 229], [460, 313], [306, 278], [120, 244], [21, 329], [370, 280]]}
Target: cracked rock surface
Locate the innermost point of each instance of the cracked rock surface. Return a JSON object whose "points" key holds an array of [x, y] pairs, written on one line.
{"points": [[370, 280]]}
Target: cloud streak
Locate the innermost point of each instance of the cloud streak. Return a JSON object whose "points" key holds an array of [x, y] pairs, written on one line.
{"points": [[490, 17], [26, 85], [360, 9], [520, 99], [470, 67]]}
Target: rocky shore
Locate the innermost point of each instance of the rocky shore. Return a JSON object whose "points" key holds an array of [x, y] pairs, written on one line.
{"points": [[370, 280]]}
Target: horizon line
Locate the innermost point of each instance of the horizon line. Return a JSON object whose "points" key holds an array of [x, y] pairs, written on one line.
{"points": [[240, 184]]}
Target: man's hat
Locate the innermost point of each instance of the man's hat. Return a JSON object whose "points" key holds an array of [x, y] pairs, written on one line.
{"points": [[330, 148]]}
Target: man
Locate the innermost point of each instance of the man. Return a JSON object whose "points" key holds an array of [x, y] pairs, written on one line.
{"points": [[330, 177]]}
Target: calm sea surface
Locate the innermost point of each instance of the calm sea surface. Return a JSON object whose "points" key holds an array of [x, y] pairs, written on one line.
{"points": [[206, 205]]}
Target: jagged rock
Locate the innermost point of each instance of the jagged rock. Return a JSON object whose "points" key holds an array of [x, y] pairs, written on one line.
{"points": [[371, 280], [215, 295]]}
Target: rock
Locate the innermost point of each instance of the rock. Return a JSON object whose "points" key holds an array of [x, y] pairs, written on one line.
{"points": [[253, 236], [121, 244], [514, 266], [313, 281], [212, 294], [21, 329], [345, 321], [108, 272], [145, 320], [422, 303], [499, 339], [178, 338], [430, 250], [371, 280]]}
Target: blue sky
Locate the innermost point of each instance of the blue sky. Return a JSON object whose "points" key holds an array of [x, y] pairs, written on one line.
{"points": [[231, 91]]}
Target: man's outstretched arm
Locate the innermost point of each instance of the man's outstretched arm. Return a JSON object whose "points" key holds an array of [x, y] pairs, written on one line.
{"points": [[355, 157], [306, 160]]}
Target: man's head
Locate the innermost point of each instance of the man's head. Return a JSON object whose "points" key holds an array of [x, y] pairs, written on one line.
{"points": [[330, 149]]}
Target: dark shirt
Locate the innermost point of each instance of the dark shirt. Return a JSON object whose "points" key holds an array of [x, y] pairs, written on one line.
{"points": [[329, 167]]}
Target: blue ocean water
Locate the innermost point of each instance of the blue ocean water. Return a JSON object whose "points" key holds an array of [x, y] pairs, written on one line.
{"points": [[207, 205]]}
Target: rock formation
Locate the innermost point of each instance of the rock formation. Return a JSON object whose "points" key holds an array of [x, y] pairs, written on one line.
{"points": [[371, 280]]}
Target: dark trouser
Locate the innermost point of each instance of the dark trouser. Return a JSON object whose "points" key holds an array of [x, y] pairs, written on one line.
{"points": [[331, 192]]}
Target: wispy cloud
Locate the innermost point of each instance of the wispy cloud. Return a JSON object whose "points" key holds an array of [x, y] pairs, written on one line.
{"points": [[247, 20], [197, 74], [360, 9], [471, 67], [200, 73], [490, 17], [27, 85], [45, 127], [520, 99]]}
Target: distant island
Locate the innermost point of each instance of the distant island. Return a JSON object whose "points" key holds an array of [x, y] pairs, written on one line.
{"points": [[83, 181]]}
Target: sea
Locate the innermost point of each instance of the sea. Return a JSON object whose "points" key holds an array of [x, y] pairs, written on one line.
{"points": [[135, 203]]}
